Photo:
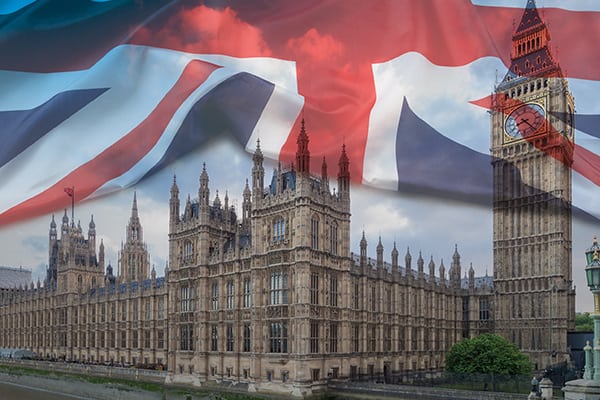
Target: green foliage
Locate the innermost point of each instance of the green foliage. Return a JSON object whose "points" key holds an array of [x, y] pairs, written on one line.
{"points": [[487, 354], [583, 322]]}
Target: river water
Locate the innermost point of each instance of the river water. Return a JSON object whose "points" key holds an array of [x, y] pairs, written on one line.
{"points": [[12, 391]]}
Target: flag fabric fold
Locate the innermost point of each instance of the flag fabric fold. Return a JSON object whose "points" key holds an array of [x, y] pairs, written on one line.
{"points": [[400, 82]]}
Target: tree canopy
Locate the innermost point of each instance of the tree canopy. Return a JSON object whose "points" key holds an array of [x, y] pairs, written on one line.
{"points": [[583, 322], [487, 354]]}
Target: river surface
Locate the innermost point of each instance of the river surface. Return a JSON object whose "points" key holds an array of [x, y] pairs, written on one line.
{"points": [[13, 391]]}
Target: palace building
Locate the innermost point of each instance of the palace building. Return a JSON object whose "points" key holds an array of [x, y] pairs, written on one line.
{"points": [[270, 295]]}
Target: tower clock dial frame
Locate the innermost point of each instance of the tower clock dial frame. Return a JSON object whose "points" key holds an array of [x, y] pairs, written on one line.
{"points": [[524, 121]]}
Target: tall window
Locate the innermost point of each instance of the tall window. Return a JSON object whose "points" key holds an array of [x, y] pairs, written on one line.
{"points": [[278, 337], [279, 230], [333, 238], [373, 338], [229, 342], [356, 295], [124, 339], [387, 338], [186, 341], [314, 233], [187, 298], [214, 295], [246, 337], [373, 298], [247, 293], [148, 309], [484, 309], [230, 295], [314, 336], [333, 337], [279, 287], [355, 338], [160, 339], [161, 308], [333, 291], [188, 251], [314, 288], [214, 338]]}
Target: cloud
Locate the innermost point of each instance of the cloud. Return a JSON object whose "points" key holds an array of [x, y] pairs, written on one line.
{"points": [[315, 47], [206, 30]]}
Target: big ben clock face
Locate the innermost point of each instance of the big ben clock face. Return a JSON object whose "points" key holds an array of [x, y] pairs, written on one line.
{"points": [[525, 121]]}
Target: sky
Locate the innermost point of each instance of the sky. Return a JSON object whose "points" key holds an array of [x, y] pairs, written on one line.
{"points": [[432, 226]]}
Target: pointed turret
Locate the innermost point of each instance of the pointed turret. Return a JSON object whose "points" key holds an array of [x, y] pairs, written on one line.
{"points": [[324, 176], [442, 270], [246, 206], [420, 265], [431, 268], [174, 205], [471, 277], [204, 191], [302, 153], [408, 261], [101, 254], [394, 258], [379, 253], [134, 228], [363, 249], [52, 234], [455, 268], [344, 174], [258, 174]]}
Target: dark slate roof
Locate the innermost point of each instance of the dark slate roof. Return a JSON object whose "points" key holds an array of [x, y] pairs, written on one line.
{"points": [[531, 17], [480, 282], [14, 277], [288, 180]]}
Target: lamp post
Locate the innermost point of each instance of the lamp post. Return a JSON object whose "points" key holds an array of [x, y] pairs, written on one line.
{"points": [[592, 273]]}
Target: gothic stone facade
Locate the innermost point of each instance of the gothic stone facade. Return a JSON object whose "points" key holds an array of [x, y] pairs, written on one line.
{"points": [[82, 314], [532, 148], [277, 300]]}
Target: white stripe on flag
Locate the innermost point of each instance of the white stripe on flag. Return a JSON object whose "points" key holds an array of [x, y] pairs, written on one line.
{"points": [[438, 95]]}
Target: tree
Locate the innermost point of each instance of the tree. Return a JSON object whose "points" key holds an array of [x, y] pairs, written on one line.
{"points": [[487, 354], [584, 323]]}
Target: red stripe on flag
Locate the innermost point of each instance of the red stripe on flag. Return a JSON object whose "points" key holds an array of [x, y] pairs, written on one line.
{"points": [[69, 191], [121, 156]]}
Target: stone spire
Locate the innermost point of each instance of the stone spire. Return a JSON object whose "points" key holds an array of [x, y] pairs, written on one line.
{"points": [[344, 174], [302, 153]]}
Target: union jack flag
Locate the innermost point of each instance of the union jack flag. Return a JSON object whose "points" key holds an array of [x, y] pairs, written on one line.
{"points": [[98, 95]]}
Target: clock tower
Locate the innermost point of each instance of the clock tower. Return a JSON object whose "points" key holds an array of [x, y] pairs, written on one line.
{"points": [[532, 152]]}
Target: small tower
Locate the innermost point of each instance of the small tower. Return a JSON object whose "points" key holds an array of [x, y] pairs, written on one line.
{"points": [[408, 262], [344, 175], [420, 268], [246, 207], [258, 174], [395, 258], [133, 257], [363, 250], [204, 191], [431, 268], [324, 177], [174, 205], [302, 153], [379, 254]]}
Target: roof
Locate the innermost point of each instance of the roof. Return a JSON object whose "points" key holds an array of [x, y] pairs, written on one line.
{"points": [[531, 18], [14, 277]]}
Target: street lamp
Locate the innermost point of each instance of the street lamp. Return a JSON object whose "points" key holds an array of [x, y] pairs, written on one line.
{"points": [[592, 273]]}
